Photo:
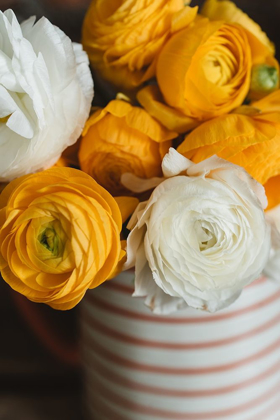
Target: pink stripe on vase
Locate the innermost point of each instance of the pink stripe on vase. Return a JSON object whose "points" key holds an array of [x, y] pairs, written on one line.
{"points": [[175, 415], [110, 332], [168, 320], [132, 385], [126, 363]]}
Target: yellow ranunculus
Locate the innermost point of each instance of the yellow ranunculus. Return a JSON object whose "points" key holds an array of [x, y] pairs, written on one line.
{"points": [[249, 138], [123, 38], [265, 73], [204, 70], [59, 236], [227, 11], [122, 138]]}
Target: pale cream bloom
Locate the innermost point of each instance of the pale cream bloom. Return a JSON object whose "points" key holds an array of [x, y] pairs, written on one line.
{"points": [[46, 91], [200, 238]]}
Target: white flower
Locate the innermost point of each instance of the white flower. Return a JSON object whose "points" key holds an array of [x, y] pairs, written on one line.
{"points": [[46, 91], [200, 238], [272, 268]]}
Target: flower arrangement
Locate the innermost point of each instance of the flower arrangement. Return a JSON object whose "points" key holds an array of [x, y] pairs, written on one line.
{"points": [[188, 152]]}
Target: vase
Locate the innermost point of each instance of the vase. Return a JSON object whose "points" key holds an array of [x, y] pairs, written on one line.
{"points": [[189, 365]]}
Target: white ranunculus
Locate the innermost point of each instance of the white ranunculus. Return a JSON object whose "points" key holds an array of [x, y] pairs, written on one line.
{"points": [[46, 91], [272, 268], [200, 238]]}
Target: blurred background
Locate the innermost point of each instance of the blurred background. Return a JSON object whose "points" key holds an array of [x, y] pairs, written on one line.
{"points": [[40, 377]]}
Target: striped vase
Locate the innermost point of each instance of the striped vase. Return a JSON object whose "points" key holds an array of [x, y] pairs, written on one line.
{"points": [[190, 365]]}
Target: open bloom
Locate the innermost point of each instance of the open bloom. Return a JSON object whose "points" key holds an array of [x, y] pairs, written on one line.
{"points": [[249, 137], [123, 38], [45, 94], [59, 236], [200, 238], [204, 71], [122, 138], [265, 74]]}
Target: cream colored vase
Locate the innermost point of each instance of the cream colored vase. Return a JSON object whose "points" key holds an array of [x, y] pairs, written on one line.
{"points": [[188, 366]]}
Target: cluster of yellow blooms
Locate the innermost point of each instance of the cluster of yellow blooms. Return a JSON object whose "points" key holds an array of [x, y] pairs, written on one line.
{"points": [[203, 68]]}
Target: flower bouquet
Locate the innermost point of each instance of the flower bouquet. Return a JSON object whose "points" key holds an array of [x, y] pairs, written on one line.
{"points": [[168, 194]]}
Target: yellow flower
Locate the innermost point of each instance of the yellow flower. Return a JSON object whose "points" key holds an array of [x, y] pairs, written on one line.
{"points": [[227, 11], [121, 138], [265, 74], [123, 38], [59, 236], [249, 138], [204, 71]]}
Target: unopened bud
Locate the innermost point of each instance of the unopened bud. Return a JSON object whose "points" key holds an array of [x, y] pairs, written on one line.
{"points": [[264, 79]]}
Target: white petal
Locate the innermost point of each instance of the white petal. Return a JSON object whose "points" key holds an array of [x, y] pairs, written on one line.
{"points": [[17, 122], [138, 185], [174, 163], [134, 242], [272, 268], [215, 166]]}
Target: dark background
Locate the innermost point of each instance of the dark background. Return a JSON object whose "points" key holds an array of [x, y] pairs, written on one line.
{"points": [[40, 377]]}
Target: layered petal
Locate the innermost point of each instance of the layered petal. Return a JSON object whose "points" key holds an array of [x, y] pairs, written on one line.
{"points": [[123, 39], [227, 11], [204, 71], [59, 235], [123, 139], [249, 137], [200, 238], [46, 93]]}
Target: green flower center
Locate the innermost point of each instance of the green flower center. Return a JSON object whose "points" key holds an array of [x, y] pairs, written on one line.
{"points": [[49, 240], [52, 238]]}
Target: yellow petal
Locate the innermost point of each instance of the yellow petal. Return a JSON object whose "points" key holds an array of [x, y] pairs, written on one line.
{"points": [[151, 99], [272, 190], [127, 206], [229, 12], [123, 39], [269, 103], [183, 18], [232, 130], [251, 141], [8, 189], [122, 259], [123, 138]]}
